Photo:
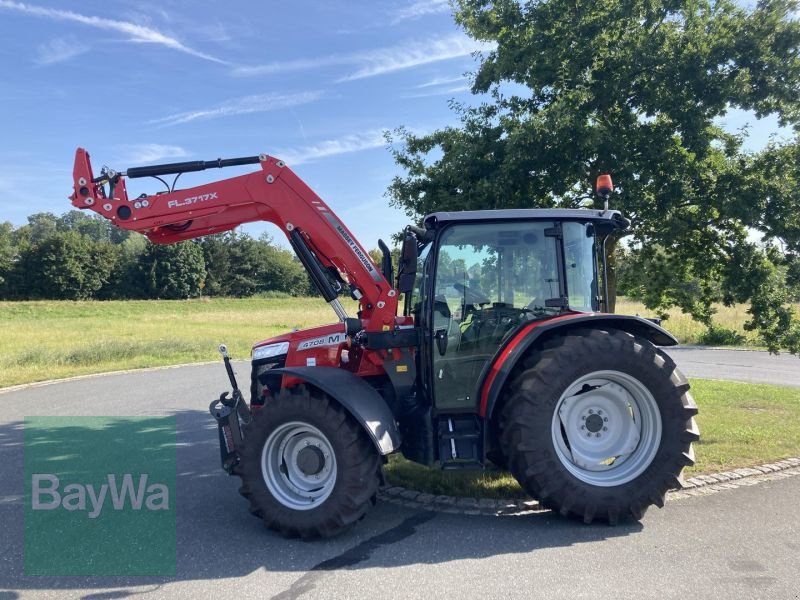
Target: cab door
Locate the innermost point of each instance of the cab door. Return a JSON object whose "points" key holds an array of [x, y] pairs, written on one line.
{"points": [[490, 278]]}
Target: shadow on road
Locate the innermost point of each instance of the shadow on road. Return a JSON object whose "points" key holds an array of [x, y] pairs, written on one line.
{"points": [[217, 538]]}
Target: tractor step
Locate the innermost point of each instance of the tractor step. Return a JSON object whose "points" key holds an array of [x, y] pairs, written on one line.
{"points": [[460, 442]]}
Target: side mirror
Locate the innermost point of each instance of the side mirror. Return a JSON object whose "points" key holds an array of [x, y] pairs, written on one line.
{"points": [[386, 261], [407, 270]]}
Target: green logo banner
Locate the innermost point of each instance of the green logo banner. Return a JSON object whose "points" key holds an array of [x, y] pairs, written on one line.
{"points": [[100, 496]]}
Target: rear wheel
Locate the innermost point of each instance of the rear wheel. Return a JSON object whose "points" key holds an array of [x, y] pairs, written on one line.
{"points": [[599, 425], [307, 468]]}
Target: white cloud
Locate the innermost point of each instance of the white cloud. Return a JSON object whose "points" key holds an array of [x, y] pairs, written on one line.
{"points": [[150, 153], [240, 106], [134, 32], [354, 142], [415, 54], [300, 64], [420, 8], [59, 50], [442, 81], [379, 61], [439, 92]]}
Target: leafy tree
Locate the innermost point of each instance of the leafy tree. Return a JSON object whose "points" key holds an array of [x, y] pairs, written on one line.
{"points": [[578, 88], [40, 226], [174, 271], [281, 271], [127, 279], [7, 251], [237, 265], [216, 252], [64, 266], [91, 225]]}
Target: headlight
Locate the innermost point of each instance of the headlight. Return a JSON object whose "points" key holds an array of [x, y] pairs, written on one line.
{"points": [[270, 350]]}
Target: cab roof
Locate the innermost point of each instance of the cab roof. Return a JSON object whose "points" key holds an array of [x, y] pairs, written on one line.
{"points": [[610, 217]]}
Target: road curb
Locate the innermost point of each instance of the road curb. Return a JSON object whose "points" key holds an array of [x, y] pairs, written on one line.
{"points": [[694, 486], [720, 348]]}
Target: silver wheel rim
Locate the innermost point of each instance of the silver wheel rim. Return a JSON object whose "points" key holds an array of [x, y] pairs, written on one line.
{"points": [[606, 428], [298, 465]]}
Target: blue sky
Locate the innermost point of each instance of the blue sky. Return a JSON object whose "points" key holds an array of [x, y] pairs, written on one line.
{"points": [[312, 82]]}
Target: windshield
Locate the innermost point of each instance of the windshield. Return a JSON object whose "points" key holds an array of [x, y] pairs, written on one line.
{"points": [[512, 265]]}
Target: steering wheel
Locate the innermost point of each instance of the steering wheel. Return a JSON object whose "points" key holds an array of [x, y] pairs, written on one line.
{"points": [[472, 295]]}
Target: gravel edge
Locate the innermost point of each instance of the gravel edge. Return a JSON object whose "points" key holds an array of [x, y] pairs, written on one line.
{"points": [[699, 485]]}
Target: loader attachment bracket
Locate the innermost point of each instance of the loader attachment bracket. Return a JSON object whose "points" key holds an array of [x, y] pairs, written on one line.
{"points": [[230, 413]]}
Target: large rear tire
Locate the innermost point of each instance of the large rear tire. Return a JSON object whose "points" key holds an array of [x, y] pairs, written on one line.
{"points": [[598, 424], [307, 468]]}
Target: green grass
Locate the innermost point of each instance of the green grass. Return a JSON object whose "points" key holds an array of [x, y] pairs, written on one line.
{"points": [[48, 339], [741, 425], [689, 331]]}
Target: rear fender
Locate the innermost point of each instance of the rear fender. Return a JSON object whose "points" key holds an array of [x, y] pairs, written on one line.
{"points": [[360, 399], [500, 368]]}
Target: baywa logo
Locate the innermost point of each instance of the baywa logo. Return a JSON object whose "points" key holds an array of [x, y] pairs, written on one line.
{"points": [[100, 496], [46, 494]]}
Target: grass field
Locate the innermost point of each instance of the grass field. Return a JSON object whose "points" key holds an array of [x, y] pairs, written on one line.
{"points": [[689, 331], [48, 339], [741, 424]]}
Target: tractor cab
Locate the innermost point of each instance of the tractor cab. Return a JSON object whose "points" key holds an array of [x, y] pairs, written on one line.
{"points": [[484, 276]]}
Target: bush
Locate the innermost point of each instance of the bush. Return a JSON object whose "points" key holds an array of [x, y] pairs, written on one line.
{"points": [[717, 335]]}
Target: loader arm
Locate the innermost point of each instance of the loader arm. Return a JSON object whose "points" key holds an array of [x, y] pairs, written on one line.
{"points": [[274, 193]]}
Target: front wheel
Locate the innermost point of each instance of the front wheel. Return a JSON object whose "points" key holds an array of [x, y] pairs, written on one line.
{"points": [[307, 468], [599, 425]]}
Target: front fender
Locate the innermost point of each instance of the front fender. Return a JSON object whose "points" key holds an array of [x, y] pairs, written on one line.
{"points": [[498, 370], [360, 399]]}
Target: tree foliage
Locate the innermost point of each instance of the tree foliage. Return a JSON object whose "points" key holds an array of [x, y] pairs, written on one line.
{"points": [[75, 256], [173, 272], [67, 266], [577, 88], [237, 265]]}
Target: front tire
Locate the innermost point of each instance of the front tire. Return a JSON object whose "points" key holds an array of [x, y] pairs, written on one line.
{"points": [[307, 468], [599, 425]]}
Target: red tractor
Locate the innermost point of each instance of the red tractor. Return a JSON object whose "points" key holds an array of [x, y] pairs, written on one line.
{"points": [[500, 353]]}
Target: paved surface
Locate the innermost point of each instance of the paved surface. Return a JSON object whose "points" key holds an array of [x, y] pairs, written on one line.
{"points": [[738, 543], [738, 365]]}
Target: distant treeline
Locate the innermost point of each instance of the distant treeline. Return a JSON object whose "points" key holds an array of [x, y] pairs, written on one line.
{"points": [[80, 257]]}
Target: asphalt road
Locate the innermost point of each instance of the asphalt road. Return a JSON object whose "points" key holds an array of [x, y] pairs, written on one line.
{"points": [[737, 365], [738, 543]]}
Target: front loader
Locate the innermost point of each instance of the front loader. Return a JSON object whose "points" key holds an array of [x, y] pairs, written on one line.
{"points": [[500, 353]]}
